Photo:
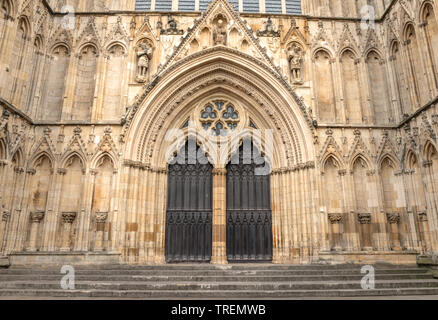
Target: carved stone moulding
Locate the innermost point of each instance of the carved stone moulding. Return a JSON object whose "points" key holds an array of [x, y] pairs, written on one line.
{"points": [[69, 217], [37, 216], [364, 218], [335, 218], [393, 217]]}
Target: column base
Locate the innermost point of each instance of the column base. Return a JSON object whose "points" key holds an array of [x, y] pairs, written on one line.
{"points": [[160, 260], [219, 260], [63, 258]]}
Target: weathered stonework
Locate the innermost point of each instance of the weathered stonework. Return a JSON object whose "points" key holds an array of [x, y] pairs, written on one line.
{"points": [[84, 114]]}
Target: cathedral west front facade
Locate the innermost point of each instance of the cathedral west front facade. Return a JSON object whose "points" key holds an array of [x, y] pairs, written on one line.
{"points": [[161, 131]]}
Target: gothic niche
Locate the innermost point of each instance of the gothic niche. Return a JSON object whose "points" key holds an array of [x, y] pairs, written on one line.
{"points": [[295, 56], [144, 56], [220, 30]]}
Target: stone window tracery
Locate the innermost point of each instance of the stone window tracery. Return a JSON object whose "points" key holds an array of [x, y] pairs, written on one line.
{"points": [[220, 117]]}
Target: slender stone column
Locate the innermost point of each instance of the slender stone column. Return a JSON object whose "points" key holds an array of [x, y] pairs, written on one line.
{"points": [[394, 220], [68, 218], [101, 218], [365, 228], [160, 215], [219, 255], [336, 221], [5, 215], [424, 229], [35, 217]]}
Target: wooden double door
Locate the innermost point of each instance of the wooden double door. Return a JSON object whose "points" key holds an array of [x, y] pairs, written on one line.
{"points": [[189, 209]]}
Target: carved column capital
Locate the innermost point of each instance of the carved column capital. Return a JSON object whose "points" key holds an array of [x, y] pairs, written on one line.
{"points": [[37, 216], [335, 218], [19, 170], [422, 216], [101, 217], [427, 163], [6, 215], [68, 217], [364, 218], [62, 171], [393, 218], [219, 171]]}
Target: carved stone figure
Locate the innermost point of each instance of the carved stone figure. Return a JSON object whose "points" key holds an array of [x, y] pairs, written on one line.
{"points": [[269, 30], [171, 22], [172, 27], [143, 57], [295, 57], [220, 31]]}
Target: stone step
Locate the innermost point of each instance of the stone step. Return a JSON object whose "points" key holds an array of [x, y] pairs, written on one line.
{"points": [[198, 286], [215, 278], [201, 281], [211, 267], [234, 294], [194, 272]]}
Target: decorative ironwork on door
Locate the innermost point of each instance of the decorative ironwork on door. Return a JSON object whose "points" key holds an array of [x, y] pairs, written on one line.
{"points": [[189, 207], [249, 215]]}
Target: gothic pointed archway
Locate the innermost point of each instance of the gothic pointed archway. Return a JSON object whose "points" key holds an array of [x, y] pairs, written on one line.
{"points": [[271, 105]]}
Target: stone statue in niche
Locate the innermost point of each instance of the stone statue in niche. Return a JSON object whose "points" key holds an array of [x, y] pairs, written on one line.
{"points": [[295, 57], [220, 31], [144, 55]]}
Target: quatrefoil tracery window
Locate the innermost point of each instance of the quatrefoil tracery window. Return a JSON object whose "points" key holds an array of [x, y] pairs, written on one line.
{"points": [[220, 117]]}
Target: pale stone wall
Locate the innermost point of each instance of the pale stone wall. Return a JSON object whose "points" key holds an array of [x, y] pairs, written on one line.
{"points": [[84, 118]]}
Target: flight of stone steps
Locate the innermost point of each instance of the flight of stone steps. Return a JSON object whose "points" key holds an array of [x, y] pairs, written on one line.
{"points": [[205, 281]]}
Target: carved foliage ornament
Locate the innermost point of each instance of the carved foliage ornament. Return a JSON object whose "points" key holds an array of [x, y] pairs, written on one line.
{"points": [[69, 217], [393, 218], [101, 217], [364, 218], [335, 218], [37, 216]]}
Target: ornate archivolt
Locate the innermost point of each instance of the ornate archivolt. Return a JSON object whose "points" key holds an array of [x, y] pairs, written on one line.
{"points": [[221, 71]]}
